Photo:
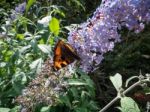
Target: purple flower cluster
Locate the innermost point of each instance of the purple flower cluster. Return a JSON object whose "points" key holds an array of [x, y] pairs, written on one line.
{"points": [[44, 89], [20, 9], [99, 34]]}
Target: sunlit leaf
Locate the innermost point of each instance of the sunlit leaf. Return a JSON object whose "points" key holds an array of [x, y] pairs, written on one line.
{"points": [[20, 36], [29, 4], [41, 41], [54, 26], [8, 54], [51, 40]]}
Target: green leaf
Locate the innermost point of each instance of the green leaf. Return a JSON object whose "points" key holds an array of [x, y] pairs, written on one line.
{"points": [[76, 82], [74, 91], [15, 109], [2, 64], [71, 27], [83, 96], [66, 100], [41, 41], [129, 105], [4, 109], [8, 54], [79, 4], [29, 4], [18, 82], [37, 65], [93, 105], [24, 49], [45, 48], [34, 45], [24, 79], [89, 81], [20, 36], [45, 21], [45, 109], [81, 109], [54, 26], [1, 42], [117, 81]]}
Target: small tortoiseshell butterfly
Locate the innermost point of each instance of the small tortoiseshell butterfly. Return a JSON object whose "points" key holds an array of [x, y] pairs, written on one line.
{"points": [[64, 54]]}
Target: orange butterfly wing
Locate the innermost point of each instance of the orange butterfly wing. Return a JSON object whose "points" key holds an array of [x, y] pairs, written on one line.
{"points": [[64, 54]]}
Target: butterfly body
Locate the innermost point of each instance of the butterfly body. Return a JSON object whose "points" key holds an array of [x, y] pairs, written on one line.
{"points": [[64, 54]]}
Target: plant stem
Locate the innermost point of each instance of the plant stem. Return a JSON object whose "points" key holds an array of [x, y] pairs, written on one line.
{"points": [[125, 92]]}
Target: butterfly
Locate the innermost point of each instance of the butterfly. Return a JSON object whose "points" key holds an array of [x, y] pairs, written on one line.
{"points": [[64, 54]]}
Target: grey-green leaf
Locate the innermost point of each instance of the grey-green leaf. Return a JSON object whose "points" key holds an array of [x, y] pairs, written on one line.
{"points": [[117, 81], [45, 109], [4, 109], [129, 105], [37, 64], [76, 82], [45, 48]]}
